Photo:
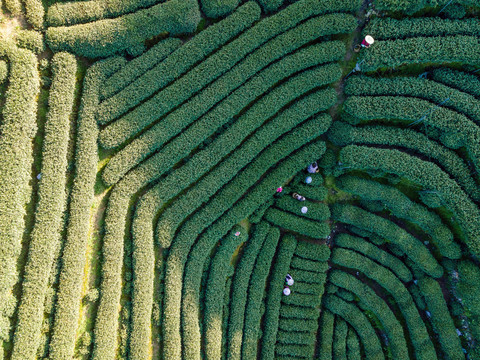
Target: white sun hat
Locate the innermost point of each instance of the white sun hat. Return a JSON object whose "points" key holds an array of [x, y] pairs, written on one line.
{"points": [[369, 39], [304, 210]]}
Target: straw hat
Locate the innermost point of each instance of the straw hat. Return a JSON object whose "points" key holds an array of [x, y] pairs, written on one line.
{"points": [[369, 39]]}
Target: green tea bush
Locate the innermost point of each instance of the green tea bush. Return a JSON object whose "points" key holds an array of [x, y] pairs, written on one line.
{"points": [[240, 286], [412, 247], [220, 270], [410, 7], [233, 163], [76, 12], [218, 8], [179, 62], [463, 81], [389, 28], [31, 40], [3, 71], [274, 296], [316, 211], [298, 325], [215, 208], [297, 312], [310, 277], [457, 130], [310, 192], [354, 316], [304, 288], [215, 66], [374, 253], [326, 329], [17, 129], [138, 66], [467, 289], [340, 340], [304, 300], [418, 333], [34, 13], [379, 307], [439, 50], [46, 234], [309, 265], [297, 224], [295, 338], [224, 113], [256, 290], [440, 318], [353, 345], [14, 6], [210, 184], [402, 207], [426, 174], [312, 251], [343, 134], [108, 37], [294, 350], [81, 197], [426, 89]]}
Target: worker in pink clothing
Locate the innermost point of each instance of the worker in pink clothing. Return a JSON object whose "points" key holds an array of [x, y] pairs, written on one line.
{"points": [[367, 42]]}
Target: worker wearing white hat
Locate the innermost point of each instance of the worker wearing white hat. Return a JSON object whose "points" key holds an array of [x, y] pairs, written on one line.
{"points": [[368, 41], [289, 280], [286, 291]]}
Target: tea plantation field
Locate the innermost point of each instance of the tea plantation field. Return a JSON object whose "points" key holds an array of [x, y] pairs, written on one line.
{"points": [[167, 167]]}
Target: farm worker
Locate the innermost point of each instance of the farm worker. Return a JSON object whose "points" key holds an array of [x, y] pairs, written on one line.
{"points": [[286, 291], [279, 189], [308, 180], [298, 197], [304, 210], [313, 168], [289, 280], [237, 233], [368, 41]]}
